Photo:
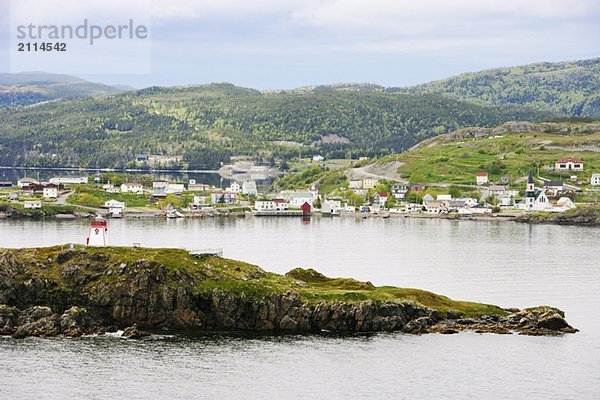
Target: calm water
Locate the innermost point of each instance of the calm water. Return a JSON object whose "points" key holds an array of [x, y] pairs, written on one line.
{"points": [[501, 263]]}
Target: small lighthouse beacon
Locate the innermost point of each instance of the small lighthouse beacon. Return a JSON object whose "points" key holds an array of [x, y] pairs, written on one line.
{"points": [[98, 232]]}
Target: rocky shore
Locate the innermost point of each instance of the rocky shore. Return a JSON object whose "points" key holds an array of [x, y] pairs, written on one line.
{"points": [[580, 216], [74, 292]]}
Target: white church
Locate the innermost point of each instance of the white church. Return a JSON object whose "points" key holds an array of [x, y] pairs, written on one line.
{"points": [[535, 199]]}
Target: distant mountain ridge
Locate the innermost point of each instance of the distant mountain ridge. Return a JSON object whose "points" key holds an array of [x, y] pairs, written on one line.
{"points": [[27, 88]]}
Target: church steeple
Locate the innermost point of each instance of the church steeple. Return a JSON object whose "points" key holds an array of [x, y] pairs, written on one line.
{"points": [[530, 182]]}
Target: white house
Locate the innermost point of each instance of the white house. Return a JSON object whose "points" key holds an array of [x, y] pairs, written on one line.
{"points": [[76, 180], [198, 187], [318, 158], [110, 188], [26, 182], [136, 188], [249, 188], [234, 188], [335, 204], [480, 210], [369, 183], [444, 197], [380, 198], [33, 204], [264, 205], [595, 180], [399, 191], [173, 188], [299, 198], [569, 164], [481, 178], [355, 184], [114, 204], [271, 205], [223, 198], [434, 207], [50, 192]]}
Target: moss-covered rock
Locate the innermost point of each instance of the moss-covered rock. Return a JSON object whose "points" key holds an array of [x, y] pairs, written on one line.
{"points": [[89, 290]]}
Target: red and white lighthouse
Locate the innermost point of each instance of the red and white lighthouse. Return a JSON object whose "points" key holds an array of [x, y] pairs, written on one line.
{"points": [[98, 232]]}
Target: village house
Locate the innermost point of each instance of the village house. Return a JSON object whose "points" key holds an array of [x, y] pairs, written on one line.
{"points": [[32, 204], [5, 184], [297, 199], [225, 197], [27, 181], [335, 203], [115, 208], [469, 201], [479, 209], [50, 191], [271, 205], [434, 207], [34, 189], [481, 178], [136, 188], [595, 181], [569, 164], [234, 187], [380, 198], [249, 188], [114, 204], [427, 198], [554, 188], [411, 207], [175, 188], [399, 191], [198, 187], [369, 183], [318, 158], [444, 197], [504, 195], [109, 188], [455, 205], [73, 180], [355, 184]]}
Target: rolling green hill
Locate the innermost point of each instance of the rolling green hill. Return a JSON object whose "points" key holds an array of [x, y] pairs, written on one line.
{"points": [[505, 151], [205, 125], [571, 88]]}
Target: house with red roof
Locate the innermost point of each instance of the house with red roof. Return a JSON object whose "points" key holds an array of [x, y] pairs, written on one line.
{"points": [[569, 164], [481, 178]]}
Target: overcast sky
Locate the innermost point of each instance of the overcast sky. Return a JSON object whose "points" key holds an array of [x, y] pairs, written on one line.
{"points": [[270, 44]]}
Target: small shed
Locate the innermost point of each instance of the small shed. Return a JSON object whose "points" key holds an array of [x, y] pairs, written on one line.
{"points": [[305, 208]]}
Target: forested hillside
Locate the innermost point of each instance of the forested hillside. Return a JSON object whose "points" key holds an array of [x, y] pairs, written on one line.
{"points": [[571, 88], [205, 125]]}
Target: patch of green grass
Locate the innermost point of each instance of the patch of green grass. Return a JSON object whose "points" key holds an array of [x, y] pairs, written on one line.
{"points": [[96, 198]]}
